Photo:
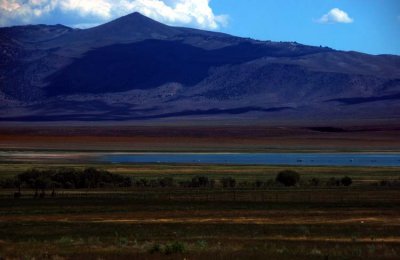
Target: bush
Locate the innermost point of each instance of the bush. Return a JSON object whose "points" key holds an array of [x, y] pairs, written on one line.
{"points": [[174, 248], [200, 182], [333, 182], [270, 183], [69, 178], [346, 181], [228, 182], [258, 184], [168, 249], [166, 182], [156, 248], [315, 182], [9, 183], [244, 184], [143, 183], [390, 183], [288, 178]]}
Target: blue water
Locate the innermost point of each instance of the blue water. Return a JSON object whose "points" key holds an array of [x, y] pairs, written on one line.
{"points": [[322, 159]]}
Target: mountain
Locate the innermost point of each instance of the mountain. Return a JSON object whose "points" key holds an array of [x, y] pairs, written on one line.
{"points": [[135, 69]]}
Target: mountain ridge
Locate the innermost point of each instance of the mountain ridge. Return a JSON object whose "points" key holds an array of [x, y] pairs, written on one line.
{"points": [[135, 68]]}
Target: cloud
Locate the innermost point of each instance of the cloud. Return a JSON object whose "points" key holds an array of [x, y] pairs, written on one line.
{"points": [[17, 11], [335, 16], [196, 13], [99, 8], [178, 12], [84, 25]]}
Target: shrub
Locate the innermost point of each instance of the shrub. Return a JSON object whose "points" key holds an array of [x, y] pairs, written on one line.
{"points": [[315, 182], [143, 183], [70, 178], [288, 178], [390, 183], [270, 183], [346, 181], [9, 183], [202, 245], [156, 248], [228, 182], [259, 184], [244, 184], [200, 181], [174, 248], [333, 182], [166, 182]]}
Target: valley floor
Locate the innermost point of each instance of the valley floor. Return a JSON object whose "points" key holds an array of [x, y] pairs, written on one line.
{"points": [[305, 222], [271, 222], [108, 226], [175, 138]]}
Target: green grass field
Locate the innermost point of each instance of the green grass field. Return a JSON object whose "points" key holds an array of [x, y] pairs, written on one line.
{"points": [[240, 172]]}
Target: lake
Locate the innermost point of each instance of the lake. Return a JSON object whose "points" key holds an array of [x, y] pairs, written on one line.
{"points": [[310, 159], [306, 159]]}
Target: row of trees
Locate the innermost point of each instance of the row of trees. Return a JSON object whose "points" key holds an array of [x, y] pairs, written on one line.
{"points": [[292, 178], [70, 178]]}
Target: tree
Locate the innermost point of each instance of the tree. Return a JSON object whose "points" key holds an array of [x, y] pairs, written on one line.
{"points": [[69, 178], [17, 184], [288, 177], [41, 183], [346, 181]]}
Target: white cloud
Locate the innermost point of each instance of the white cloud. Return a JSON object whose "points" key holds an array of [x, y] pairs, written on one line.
{"points": [[100, 8], [24, 11], [197, 13], [336, 16], [84, 25]]}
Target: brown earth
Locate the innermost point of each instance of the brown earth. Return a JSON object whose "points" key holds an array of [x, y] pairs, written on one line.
{"points": [[201, 138], [286, 217]]}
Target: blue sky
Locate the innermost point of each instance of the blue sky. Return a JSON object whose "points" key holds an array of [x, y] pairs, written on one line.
{"points": [[371, 26], [375, 28]]}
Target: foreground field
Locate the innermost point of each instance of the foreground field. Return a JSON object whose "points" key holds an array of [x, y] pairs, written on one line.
{"points": [[321, 222], [96, 226]]}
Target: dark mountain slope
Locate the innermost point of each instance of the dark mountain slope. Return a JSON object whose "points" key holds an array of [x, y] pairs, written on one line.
{"points": [[135, 68], [151, 63]]}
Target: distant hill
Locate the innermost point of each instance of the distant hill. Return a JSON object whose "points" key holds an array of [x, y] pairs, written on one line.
{"points": [[134, 69]]}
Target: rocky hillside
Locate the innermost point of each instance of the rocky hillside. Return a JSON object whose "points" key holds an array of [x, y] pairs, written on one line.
{"points": [[135, 68]]}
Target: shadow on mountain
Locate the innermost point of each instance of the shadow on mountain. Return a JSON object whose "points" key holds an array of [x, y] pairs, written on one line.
{"points": [[113, 115], [152, 63], [360, 100]]}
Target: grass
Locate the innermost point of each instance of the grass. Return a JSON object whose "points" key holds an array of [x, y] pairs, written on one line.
{"points": [[239, 172], [93, 227], [174, 223]]}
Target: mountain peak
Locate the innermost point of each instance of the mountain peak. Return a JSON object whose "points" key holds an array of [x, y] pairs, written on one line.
{"points": [[136, 18], [136, 25], [137, 14]]}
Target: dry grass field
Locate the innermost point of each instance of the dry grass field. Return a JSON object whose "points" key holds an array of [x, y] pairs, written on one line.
{"points": [[109, 226], [360, 221]]}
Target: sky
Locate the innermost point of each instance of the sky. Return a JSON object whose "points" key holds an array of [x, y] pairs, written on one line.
{"points": [[370, 26]]}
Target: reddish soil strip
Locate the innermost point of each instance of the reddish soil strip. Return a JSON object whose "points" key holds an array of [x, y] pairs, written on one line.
{"points": [[197, 138], [388, 217]]}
